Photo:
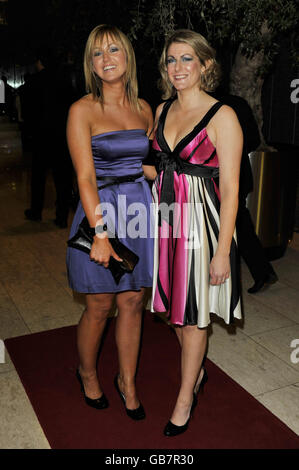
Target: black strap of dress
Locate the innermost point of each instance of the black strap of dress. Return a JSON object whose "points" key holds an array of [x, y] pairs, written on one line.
{"points": [[202, 123]]}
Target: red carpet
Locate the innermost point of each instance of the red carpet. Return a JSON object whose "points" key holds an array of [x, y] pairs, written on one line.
{"points": [[227, 417]]}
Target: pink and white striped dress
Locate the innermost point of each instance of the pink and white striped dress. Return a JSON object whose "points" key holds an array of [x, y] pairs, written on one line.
{"points": [[186, 238]]}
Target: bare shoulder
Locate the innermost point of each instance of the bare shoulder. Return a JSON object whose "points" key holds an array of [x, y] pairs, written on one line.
{"points": [[82, 105], [225, 114], [81, 112], [226, 128], [147, 112], [144, 105], [146, 109]]}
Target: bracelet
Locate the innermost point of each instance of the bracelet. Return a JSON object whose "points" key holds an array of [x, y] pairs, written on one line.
{"points": [[100, 229]]}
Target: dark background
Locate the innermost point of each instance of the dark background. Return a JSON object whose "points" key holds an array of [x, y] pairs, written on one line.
{"points": [[61, 28]]}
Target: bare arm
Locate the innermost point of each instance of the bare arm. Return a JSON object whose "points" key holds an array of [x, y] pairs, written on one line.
{"points": [[78, 137], [229, 143]]}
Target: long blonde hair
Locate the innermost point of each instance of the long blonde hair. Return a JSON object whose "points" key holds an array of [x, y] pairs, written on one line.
{"points": [[203, 50], [93, 82]]}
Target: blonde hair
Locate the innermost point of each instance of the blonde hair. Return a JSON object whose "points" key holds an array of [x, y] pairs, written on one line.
{"points": [[209, 78], [93, 82]]}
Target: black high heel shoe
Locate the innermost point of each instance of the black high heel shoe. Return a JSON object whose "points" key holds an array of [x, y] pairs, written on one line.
{"points": [[98, 403], [171, 429], [136, 414]]}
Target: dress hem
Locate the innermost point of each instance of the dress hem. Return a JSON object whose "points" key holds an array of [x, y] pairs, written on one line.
{"points": [[102, 290], [230, 322]]}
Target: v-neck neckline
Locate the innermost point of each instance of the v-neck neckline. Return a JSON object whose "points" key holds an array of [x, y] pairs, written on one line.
{"points": [[165, 112]]}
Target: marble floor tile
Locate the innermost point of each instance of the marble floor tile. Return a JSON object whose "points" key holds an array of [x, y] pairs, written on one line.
{"points": [[288, 271], [51, 253], [17, 262], [41, 298], [292, 252], [250, 364], [258, 317], [281, 298], [12, 323], [6, 366], [279, 343], [286, 275], [50, 323], [19, 428], [284, 403]]}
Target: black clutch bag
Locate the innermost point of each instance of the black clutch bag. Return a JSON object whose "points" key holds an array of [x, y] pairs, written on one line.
{"points": [[84, 239]]}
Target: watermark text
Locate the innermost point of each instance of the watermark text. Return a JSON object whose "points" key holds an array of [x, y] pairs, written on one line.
{"points": [[295, 93], [295, 354], [137, 220]]}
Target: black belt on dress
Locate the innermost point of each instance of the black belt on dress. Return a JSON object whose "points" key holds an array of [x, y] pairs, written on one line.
{"points": [[118, 179], [171, 162]]}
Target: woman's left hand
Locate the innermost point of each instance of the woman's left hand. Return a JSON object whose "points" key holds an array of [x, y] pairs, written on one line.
{"points": [[219, 269]]}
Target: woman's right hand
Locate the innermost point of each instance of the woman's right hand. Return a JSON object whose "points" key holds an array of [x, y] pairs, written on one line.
{"points": [[101, 251]]}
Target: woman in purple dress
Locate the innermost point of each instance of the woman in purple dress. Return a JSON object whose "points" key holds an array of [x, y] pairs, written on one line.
{"points": [[198, 143], [107, 135]]}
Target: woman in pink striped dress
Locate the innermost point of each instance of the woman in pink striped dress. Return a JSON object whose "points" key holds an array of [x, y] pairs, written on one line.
{"points": [[198, 144]]}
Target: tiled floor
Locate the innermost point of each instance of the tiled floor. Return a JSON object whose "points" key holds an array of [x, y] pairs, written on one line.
{"points": [[34, 296]]}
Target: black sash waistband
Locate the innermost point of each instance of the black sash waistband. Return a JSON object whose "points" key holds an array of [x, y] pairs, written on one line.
{"points": [[118, 179], [170, 163]]}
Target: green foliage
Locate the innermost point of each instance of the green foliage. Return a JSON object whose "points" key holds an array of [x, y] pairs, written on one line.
{"points": [[255, 25]]}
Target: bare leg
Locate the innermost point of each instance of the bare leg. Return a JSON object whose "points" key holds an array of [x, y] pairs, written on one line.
{"points": [[179, 333], [89, 335], [194, 343], [128, 328]]}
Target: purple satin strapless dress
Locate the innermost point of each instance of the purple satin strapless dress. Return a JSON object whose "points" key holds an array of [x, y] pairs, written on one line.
{"points": [[127, 208]]}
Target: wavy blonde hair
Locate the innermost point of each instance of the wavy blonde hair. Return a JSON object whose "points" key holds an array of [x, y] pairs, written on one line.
{"points": [[209, 79], [93, 82]]}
